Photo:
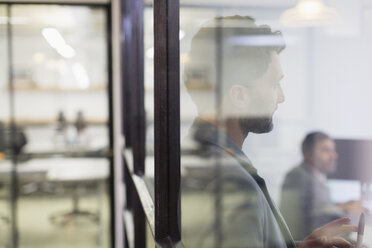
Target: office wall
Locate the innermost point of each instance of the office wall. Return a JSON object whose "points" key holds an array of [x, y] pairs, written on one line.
{"points": [[327, 86]]}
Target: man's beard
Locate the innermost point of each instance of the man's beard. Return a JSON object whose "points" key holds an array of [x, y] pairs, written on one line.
{"points": [[256, 125]]}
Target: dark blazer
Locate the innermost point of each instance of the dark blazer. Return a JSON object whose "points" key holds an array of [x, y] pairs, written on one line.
{"points": [[225, 202]]}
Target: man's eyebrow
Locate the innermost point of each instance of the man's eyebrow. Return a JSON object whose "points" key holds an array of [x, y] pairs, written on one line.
{"points": [[281, 77]]}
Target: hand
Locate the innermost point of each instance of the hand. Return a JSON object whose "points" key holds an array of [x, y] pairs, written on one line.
{"points": [[327, 236]]}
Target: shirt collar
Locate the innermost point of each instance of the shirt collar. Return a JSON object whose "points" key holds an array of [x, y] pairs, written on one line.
{"points": [[208, 134]]}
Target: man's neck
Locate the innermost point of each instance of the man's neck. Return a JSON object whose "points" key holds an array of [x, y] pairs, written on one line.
{"points": [[233, 130], [317, 173], [231, 127]]}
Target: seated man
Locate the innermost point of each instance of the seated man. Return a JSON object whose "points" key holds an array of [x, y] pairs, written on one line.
{"points": [[305, 200]]}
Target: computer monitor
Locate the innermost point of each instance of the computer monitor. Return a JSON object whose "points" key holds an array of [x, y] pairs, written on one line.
{"points": [[354, 160], [342, 191]]}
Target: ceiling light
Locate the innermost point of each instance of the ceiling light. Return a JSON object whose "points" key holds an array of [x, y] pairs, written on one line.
{"points": [[308, 13]]}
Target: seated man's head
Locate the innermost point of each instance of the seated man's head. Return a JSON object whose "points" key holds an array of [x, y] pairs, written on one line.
{"points": [[234, 72], [319, 152]]}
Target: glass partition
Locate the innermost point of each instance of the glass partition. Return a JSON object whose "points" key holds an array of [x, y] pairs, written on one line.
{"points": [[269, 93], [6, 155], [60, 81]]}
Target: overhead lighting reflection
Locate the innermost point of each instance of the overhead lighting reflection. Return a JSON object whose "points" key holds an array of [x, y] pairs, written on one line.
{"points": [[256, 40], [66, 51], [39, 57], [53, 37], [55, 40], [81, 75], [150, 53], [308, 13], [182, 34]]}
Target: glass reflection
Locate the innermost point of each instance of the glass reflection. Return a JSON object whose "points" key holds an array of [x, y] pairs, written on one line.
{"points": [[233, 68], [306, 196], [59, 82], [242, 73], [6, 163]]}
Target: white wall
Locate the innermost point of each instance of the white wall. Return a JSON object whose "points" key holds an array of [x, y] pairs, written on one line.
{"points": [[327, 86]]}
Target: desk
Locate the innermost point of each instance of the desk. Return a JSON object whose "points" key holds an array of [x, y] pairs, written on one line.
{"points": [[75, 169], [69, 172], [58, 169], [25, 173]]}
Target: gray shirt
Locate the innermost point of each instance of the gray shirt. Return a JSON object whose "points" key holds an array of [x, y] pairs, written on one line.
{"points": [[305, 202]]}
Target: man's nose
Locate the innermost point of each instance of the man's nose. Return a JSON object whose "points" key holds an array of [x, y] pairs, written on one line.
{"points": [[281, 97]]}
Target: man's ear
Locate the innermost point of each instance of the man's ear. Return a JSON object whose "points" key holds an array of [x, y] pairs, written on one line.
{"points": [[308, 157], [239, 96]]}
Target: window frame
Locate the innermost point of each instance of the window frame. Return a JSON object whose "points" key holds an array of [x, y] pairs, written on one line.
{"points": [[163, 214]]}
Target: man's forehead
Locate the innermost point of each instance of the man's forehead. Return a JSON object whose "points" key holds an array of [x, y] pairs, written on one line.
{"points": [[274, 70], [326, 143], [275, 62]]}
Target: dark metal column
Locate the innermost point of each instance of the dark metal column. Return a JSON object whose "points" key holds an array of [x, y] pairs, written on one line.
{"points": [[134, 121], [167, 122]]}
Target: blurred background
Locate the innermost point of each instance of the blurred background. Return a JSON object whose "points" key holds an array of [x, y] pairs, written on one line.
{"points": [[54, 132], [54, 108], [327, 86]]}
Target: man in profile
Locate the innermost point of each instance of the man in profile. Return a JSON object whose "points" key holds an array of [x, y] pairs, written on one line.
{"points": [[233, 77], [305, 194]]}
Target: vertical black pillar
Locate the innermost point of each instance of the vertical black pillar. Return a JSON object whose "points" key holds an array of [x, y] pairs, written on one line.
{"points": [[167, 121]]}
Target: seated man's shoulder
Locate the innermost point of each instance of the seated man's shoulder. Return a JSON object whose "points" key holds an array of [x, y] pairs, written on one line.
{"points": [[297, 176], [297, 172]]}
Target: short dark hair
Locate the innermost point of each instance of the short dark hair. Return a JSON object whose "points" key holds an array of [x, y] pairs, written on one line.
{"points": [[311, 139], [243, 47], [238, 37]]}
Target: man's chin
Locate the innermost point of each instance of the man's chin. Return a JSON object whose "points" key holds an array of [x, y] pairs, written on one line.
{"points": [[256, 125], [264, 128], [332, 169]]}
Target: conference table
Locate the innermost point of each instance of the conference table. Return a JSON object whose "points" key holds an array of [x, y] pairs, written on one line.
{"points": [[69, 173], [57, 169]]}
